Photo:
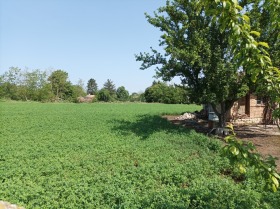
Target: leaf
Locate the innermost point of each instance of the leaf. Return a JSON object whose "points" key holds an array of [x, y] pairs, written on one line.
{"points": [[275, 181], [262, 62], [264, 44], [227, 138], [230, 126], [234, 150], [274, 189], [237, 29], [276, 175], [224, 4], [242, 169], [256, 33], [267, 58], [246, 18], [245, 155], [239, 7]]}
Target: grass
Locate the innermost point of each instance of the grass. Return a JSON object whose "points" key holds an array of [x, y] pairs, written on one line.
{"points": [[113, 156]]}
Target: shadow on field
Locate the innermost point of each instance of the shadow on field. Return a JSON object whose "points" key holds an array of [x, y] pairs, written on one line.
{"points": [[146, 125]]}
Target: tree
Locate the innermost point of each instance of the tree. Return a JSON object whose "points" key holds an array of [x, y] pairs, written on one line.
{"points": [[10, 81], [199, 53], [122, 94], [163, 93], [261, 19], [110, 86], [32, 82], [58, 80], [137, 97], [251, 54], [104, 95], [92, 87]]}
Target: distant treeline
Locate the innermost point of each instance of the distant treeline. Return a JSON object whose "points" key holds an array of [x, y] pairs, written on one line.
{"points": [[44, 86]]}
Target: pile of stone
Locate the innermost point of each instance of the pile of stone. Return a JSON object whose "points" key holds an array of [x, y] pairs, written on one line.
{"points": [[186, 116], [7, 205]]}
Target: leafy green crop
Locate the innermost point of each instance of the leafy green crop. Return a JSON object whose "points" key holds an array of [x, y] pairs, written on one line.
{"points": [[114, 156]]}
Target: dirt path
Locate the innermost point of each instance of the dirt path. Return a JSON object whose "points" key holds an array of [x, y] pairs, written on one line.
{"points": [[265, 138]]}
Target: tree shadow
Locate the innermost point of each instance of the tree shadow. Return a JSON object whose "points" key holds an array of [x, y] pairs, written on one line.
{"points": [[146, 125]]}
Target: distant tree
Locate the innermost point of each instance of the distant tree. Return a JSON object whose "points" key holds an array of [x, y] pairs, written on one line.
{"points": [[122, 94], [32, 83], [59, 83], [92, 87], [110, 86], [156, 92], [137, 97], [9, 83], [168, 94], [77, 91], [45, 93], [81, 83], [104, 95]]}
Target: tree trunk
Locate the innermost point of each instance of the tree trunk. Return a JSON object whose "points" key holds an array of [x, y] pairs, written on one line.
{"points": [[224, 108]]}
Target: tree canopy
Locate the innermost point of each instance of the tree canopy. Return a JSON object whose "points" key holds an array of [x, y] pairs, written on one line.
{"points": [[210, 45], [110, 86], [92, 86]]}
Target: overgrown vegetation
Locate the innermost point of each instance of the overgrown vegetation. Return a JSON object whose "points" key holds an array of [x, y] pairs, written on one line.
{"points": [[115, 156], [243, 155]]}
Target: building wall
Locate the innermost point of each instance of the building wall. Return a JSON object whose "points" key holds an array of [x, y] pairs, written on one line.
{"points": [[238, 111], [256, 107]]}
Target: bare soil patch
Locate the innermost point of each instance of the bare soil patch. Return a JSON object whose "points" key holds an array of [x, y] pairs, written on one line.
{"points": [[265, 138]]}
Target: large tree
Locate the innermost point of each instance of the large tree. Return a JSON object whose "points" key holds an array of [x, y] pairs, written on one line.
{"points": [[122, 94], [10, 81], [254, 41], [33, 82], [198, 52], [59, 83], [168, 94], [92, 87], [110, 86]]}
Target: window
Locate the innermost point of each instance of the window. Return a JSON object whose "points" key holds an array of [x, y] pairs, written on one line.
{"points": [[259, 101]]}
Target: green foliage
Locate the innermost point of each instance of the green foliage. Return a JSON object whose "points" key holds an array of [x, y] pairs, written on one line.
{"points": [[256, 52], [92, 87], [168, 94], [36, 85], [196, 50], [137, 97], [59, 83], [77, 91], [104, 96], [122, 94], [110, 86], [103, 155], [244, 155]]}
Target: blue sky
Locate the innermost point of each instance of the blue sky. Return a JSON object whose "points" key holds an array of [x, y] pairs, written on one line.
{"points": [[87, 38]]}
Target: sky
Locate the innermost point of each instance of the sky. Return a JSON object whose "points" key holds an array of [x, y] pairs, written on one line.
{"points": [[86, 38]]}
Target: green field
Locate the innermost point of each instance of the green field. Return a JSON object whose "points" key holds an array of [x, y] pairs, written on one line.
{"points": [[114, 156]]}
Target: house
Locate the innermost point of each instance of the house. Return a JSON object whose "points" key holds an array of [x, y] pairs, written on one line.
{"points": [[248, 109], [87, 98]]}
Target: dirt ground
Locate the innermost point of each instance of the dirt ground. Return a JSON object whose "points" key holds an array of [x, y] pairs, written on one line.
{"points": [[265, 138]]}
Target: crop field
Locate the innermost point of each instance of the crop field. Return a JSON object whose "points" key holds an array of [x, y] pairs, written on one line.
{"points": [[114, 156]]}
